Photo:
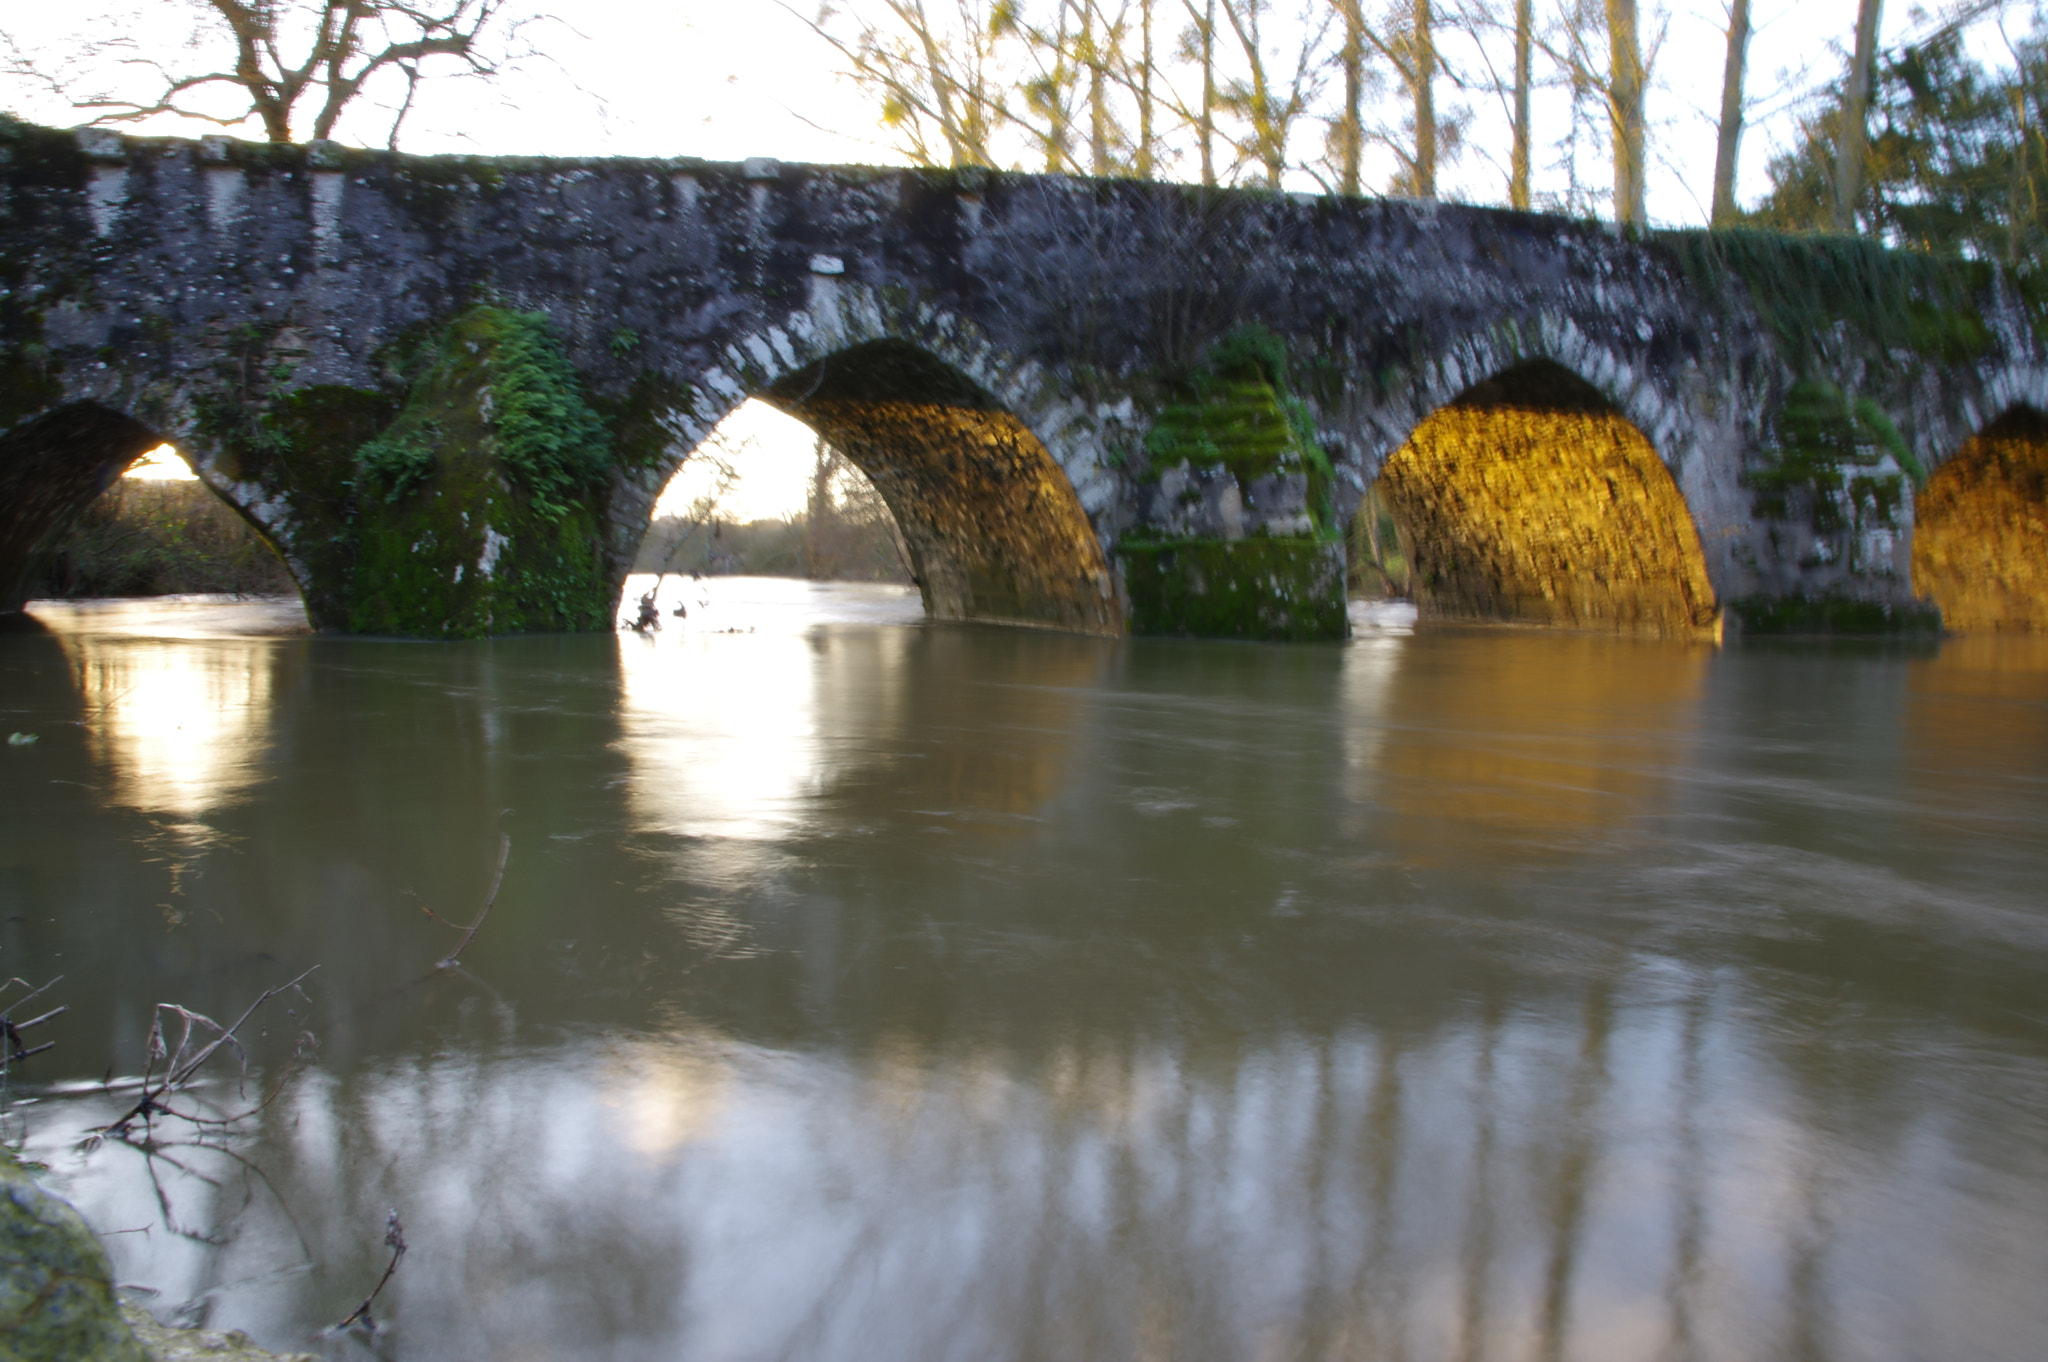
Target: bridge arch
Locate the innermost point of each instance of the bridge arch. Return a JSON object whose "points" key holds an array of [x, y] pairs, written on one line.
{"points": [[994, 525], [1980, 532], [51, 469], [54, 467], [1529, 496]]}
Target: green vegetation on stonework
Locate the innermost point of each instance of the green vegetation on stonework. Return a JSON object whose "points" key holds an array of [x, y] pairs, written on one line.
{"points": [[543, 429], [1282, 590], [477, 511], [1804, 286], [1235, 411], [1796, 615], [398, 460], [1823, 436], [1807, 286]]}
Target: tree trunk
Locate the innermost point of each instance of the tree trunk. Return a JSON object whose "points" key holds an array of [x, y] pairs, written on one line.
{"points": [[1098, 94], [1424, 85], [1625, 110], [1731, 113], [1207, 131], [1525, 42], [1853, 142], [1351, 128], [1145, 95]]}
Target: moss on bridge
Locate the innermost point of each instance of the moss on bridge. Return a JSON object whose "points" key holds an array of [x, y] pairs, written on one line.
{"points": [[477, 508], [1278, 590], [1236, 414]]}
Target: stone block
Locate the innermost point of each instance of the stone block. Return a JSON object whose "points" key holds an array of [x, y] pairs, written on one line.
{"points": [[56, 1284]]}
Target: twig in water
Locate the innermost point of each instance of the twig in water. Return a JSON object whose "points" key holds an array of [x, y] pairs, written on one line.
{"points": [[13, 1049], [183, 1061], [394, 1239], [490, 898]]}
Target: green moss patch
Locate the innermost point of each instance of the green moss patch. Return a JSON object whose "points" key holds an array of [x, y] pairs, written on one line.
{"points": [[1804, 286], [1827, 461], [1236, 412], [478, 507], [1281, 590]]}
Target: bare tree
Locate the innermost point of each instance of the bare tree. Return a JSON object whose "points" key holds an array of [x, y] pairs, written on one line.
{"points": [[1422, 91], [1729, 143], [1406, 41], [1616, 81], [1198, 45], [1146, 164], [849, 532], [1347, 132], [282, 60], [1512, 87], [938, 82], [1626, 79], [1852, 143], [1267, 101], [1518, 163]]}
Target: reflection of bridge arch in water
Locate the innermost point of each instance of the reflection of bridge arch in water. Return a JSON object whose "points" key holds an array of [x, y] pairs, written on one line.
{"points": [[1530, 498], [1980, 540]]}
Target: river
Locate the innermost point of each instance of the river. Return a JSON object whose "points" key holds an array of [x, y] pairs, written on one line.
{"points": [[867, 988]]}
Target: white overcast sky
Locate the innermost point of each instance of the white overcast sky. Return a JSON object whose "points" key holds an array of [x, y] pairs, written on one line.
{"points": [[744, 78]]}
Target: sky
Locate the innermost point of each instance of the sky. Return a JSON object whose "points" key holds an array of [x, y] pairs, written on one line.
{"points": [[748, 78]]}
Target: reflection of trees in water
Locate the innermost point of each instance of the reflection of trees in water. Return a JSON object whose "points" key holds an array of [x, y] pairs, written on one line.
{"points": [[1078, 1090], [1505, 1180]]}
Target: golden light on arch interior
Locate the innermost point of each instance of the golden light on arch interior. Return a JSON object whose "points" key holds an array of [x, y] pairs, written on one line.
{"points": [[1980, 529], [1529, 498]]}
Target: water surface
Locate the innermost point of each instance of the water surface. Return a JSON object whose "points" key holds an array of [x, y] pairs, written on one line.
{"points": [[866, 988]]}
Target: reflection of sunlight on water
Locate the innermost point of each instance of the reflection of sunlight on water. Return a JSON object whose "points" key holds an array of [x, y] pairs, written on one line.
{"points": [[180, 727], [666, 1090], [1370, 665], [723, 732], [764, 604]]}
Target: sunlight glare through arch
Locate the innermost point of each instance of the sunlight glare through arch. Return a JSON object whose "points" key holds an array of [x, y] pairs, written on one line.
{"points": [[161, 464], [773, 455]]}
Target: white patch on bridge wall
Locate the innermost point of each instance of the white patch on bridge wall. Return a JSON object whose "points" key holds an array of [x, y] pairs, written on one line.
{"points": [[225, 190], [328, 188], [494, 544], [821, 319], [686, 192], [106, 196]]}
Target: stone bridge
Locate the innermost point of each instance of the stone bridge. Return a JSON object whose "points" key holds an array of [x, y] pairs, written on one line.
{"points": [[449, 390]]}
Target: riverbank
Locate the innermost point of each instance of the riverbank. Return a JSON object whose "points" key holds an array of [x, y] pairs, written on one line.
{"points": [[162, 538]]}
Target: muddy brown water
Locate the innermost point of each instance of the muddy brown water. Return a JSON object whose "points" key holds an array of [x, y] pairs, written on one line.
{"points": [[863, 988]]}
